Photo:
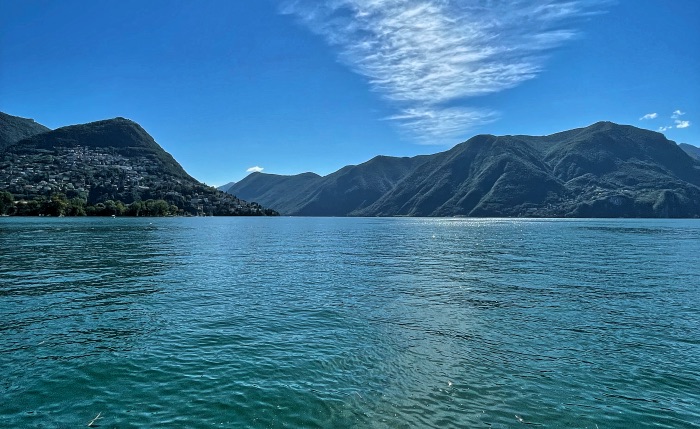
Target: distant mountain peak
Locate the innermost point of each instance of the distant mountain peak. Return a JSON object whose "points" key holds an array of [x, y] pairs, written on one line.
{"points": [[604, 124], [117, 121], [224, 188], [607, 126], [692, 151]]}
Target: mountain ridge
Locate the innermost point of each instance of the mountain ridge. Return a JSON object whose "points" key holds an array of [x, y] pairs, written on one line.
{"points": [[692, 151], [602, 170], [15, 128]]}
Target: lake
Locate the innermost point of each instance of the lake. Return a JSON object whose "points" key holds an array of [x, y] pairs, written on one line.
{"points": [[349, 323]]}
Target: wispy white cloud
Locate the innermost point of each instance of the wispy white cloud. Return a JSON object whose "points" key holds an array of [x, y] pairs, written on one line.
{"points": [[427, 57], [649, 116], [677, 114], [662, 129], [439, 125], [682, 124], [255, 169]]}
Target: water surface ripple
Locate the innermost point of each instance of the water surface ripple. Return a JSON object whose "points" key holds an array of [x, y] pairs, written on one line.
{"points": [[357, 323]]}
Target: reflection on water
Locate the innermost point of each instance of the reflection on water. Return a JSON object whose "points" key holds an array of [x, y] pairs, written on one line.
{"points": [[295, 322]]}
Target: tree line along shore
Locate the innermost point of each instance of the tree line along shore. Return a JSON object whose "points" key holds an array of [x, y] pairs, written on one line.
{"points": [[58, 205]]}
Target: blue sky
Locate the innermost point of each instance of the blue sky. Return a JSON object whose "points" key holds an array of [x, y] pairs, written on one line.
{"points": [[311, 85]]}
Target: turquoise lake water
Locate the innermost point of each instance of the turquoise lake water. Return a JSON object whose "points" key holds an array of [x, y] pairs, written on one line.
{"points": [[349, 323]]}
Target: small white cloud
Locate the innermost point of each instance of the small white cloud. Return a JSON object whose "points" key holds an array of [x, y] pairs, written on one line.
{"points": [[255, 169], [662, 129], [677, 114], [682, 124], [649, 116]]}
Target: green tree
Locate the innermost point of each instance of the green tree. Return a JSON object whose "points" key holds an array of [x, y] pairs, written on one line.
{"points": [[157, 207], [56, 206], [114, 208], [121, 208], [135, 209], [100, 209], [76, 207], [7, 203], [28, 208]]}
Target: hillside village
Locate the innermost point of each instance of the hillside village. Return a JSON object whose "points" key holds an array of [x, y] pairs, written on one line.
{"points": [[31, 175], [98, 175], [109, 167]]}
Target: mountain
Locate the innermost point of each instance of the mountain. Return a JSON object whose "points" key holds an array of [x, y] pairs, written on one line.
{"points": [[14, 129], [224, 188], [120, 136], [110, 160], [692, 151], [603, 170], [344, 193]]}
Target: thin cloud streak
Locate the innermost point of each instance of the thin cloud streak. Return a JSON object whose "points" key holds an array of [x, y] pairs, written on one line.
{"points": [[440, 125], [426, 57]]}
